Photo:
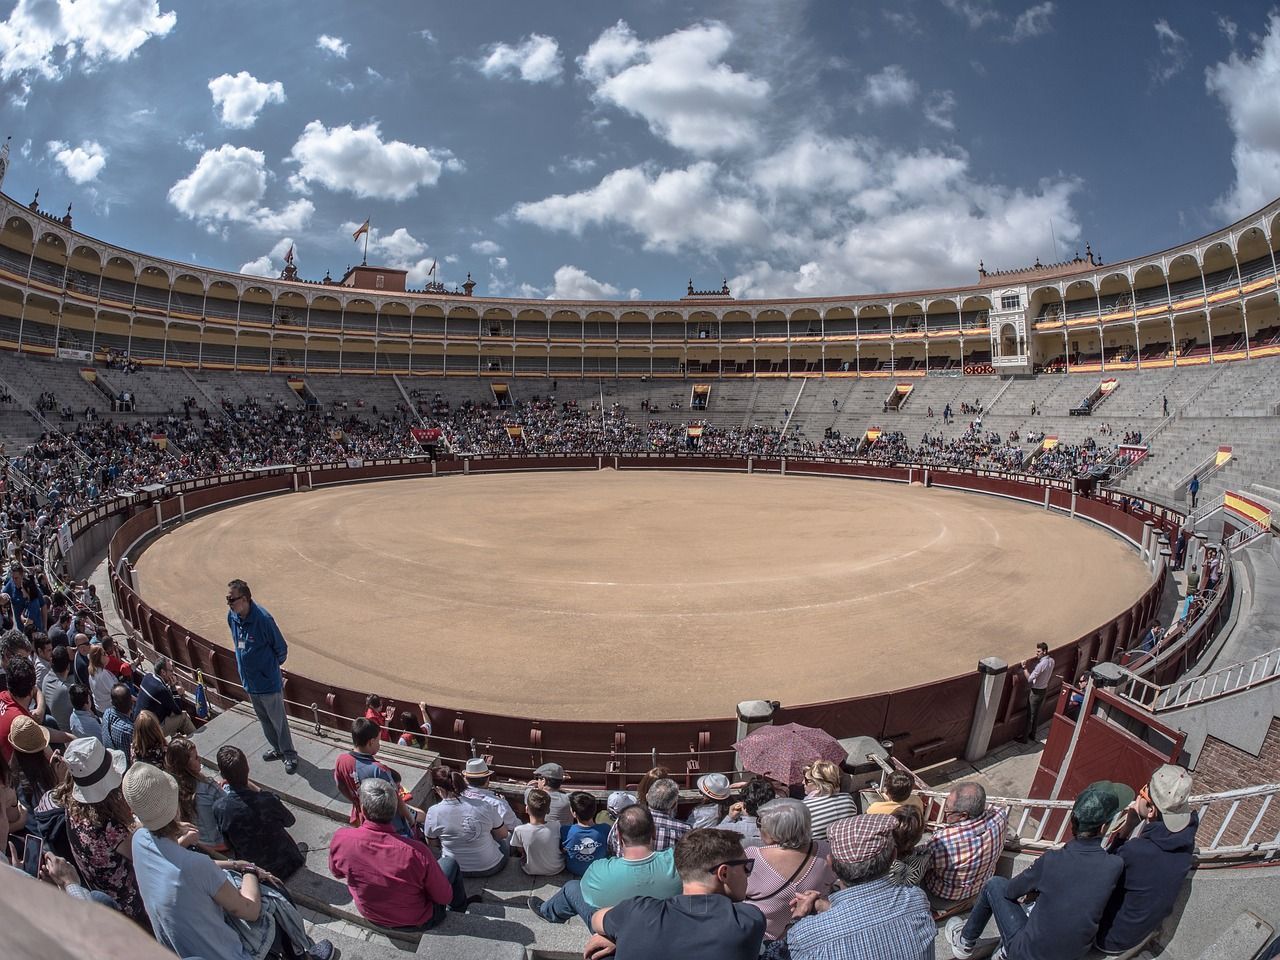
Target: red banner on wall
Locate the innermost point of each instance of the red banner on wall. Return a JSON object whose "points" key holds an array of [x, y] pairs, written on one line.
{"points": [[425, 435]]}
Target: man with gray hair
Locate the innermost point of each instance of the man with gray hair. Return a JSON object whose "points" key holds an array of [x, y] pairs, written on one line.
{"points": [[662, 798], [395, 881], [962, 853], [872, 917]]}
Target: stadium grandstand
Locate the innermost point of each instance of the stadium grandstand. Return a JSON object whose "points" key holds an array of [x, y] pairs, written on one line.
{"points": [[140, 394]]}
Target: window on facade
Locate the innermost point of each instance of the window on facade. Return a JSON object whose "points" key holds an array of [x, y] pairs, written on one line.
{"points": [[1011, 301], [379, 282]]}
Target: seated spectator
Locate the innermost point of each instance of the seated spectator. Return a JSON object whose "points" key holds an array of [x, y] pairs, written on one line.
{"points": [[706, 919], [871, 917], [100, 823], [638, 871], [898, 787], [189, 897], [714, 787], [1156, 843], [38, 770], [662, 797], [618, 801], [149, 743], [909, 864], [56, 688], [536, 842], [253, 820], [584, 841], [963, 853], [357, 765], [477, 774], [1073, 886], [742, 816], [824, 796], [468, 830], [20, 685], [549, 777], [117, 722], [84, 722], [394, 881], [196, 793], [159, 693], [788, 862]]}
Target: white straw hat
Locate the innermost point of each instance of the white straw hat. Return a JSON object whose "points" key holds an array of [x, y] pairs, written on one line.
{"points": [[152, 795], [95, 769]]}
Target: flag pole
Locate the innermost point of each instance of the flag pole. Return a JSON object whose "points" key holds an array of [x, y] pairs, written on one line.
{"points": [[365, 261]]}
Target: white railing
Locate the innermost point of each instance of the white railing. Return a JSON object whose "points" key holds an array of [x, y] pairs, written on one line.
{"points": [[1158, 698], [1233, 823], [1247, 535]]}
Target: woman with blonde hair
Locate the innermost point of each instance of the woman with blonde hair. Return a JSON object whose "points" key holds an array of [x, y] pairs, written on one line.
{"points": [[196, 793], [149, 743], [823, 795], [101, 680]]}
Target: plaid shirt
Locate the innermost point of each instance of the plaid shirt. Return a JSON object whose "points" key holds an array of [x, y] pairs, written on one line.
{"points": [[876, 920], [963, 856], [666, 831]]}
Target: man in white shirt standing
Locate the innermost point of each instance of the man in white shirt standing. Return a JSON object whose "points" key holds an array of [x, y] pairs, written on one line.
{"points": [[1037, 672]]}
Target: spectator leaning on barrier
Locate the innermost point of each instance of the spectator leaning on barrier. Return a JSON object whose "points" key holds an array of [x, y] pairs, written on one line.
{"points": [[871, 917], [1038, 673], [260, 652], [1073, 885], [706, 919], [1155, 841]]}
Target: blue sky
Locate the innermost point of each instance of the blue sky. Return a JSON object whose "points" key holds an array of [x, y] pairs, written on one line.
{"points": [[616, 150]]}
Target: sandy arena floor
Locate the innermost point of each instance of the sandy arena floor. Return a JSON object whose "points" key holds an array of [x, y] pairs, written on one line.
{"points": [[643, 595]]}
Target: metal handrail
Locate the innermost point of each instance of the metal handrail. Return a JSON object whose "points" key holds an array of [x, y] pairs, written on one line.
{"points": [[1160, 698]]}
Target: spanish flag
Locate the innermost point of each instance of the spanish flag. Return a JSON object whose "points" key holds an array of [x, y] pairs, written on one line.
{"points": [[363, 228]]}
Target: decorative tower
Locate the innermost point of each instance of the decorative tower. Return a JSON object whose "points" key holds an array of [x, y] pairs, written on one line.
{"points": [[4, 159]]}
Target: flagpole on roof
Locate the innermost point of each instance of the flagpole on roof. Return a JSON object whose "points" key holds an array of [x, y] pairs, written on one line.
{"points": [[365, 261]]}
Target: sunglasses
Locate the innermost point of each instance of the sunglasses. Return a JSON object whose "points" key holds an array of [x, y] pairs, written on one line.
{"points": [[232, 600], [746, 865]]}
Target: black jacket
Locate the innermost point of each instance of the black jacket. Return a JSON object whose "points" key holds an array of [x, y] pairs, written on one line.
{"points": [[1074, 884], [1155, 865]]}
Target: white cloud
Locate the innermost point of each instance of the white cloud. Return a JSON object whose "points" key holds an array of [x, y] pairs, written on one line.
{"points": [[241, 98], [678, 84], [975, 12], [333, 45], [82, 164], [499, 263], [485, 248], [573, 283], [1033, 22], [677, 209], [399, 249], [227, 186], [1246, 86], [46, 37], [535, 59], [811, 164], [400, 245], [359, 161], [1174, 52], [1228, 28], [891, 87], [939, 107], [427, 35], [265, 265], [192, 143]]}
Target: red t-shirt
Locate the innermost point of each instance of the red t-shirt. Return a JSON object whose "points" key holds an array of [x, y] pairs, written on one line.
{"points": [[375, 717], [9, 712]]}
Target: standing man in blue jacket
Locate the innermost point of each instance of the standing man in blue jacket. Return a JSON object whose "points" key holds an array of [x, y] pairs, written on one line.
{"points": [[260, 650]]}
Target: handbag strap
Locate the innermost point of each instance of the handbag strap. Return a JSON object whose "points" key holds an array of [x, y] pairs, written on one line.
{"points": [[808, 858]]}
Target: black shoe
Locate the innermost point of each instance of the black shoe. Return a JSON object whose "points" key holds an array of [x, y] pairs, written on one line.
{"points": [[272, 755], [290, 765]]}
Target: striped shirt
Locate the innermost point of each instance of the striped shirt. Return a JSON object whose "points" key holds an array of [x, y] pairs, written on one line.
{"points": [[876, 920], [824, 811]]}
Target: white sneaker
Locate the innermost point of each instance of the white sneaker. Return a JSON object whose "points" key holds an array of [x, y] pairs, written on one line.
{"points": [[953, 932]]}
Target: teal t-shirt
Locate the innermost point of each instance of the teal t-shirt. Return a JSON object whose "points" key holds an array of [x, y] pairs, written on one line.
{"points": [[609, 882]]}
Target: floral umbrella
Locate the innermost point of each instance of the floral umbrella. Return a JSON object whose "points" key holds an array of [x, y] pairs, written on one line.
{"points": [[782, 752]]}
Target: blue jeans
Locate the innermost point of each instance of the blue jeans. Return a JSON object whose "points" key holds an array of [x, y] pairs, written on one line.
{"points": [[275, 726], [567, 904], [1010, 917]]}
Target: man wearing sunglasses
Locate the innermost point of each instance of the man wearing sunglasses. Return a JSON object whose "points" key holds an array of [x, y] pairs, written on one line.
{"points": [[707, 919], [260, 650]]}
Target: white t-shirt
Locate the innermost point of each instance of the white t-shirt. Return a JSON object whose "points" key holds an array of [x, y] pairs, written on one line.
{"points": [[541, 845], [463, 827], [100, 685]]}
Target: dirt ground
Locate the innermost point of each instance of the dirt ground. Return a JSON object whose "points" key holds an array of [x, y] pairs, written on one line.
{"points": [[643, 595]]}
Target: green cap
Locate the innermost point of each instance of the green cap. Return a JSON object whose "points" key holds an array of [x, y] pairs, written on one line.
{"points": [[1099, 802]]}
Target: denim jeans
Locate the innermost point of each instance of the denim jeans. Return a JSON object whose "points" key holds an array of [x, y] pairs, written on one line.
{"points": [[275, 726], [567, 904], [1010, 917]]}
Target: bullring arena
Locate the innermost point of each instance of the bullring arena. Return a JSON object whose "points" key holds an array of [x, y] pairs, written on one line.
{"points": [[669, 595]]}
